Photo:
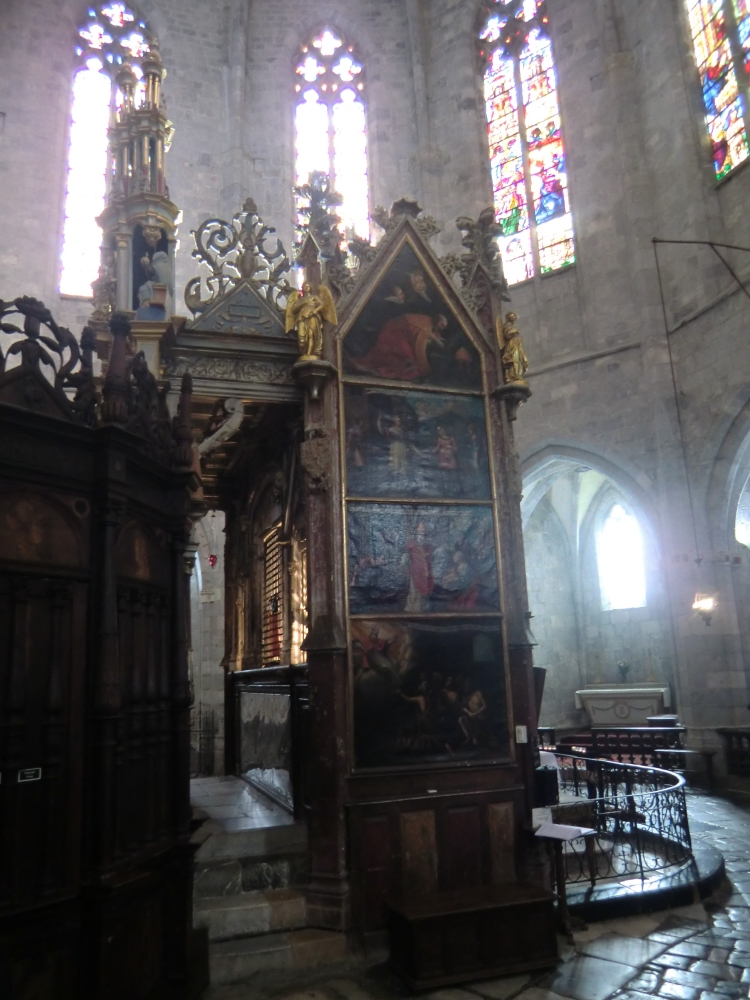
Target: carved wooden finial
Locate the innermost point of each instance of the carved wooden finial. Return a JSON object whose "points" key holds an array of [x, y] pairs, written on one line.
{"points": [[183, 431], [115, 408]]}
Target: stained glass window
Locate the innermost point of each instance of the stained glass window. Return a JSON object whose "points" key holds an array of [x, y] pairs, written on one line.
{"points": [[527, 156], [720, 30], [111, 34], [330, 128]]}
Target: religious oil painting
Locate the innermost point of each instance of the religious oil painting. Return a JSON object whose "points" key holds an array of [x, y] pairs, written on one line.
{"points": [[407, 333], [418, 445], [421, 559], [427, 692]]}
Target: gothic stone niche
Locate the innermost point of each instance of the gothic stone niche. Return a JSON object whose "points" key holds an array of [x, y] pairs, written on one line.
{"points": [[428, 676]]}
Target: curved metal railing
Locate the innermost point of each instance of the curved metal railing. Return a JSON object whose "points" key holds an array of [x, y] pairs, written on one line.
{"points": [[639, 815]]}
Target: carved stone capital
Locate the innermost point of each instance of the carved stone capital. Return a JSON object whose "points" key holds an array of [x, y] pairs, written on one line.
{"points": [[513, 395]]}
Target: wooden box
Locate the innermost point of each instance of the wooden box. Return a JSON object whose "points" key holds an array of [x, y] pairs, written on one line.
{"points": [[454, 937]]}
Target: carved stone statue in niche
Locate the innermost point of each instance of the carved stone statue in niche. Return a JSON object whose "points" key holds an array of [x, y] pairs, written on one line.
{"points": [[307, 311], [515, 362]]}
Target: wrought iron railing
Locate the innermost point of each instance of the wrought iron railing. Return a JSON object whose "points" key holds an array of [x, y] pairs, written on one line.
{"points": [[639, 816]]}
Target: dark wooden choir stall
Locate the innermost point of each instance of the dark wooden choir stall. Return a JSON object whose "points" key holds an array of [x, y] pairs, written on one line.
{"points": [[95, 863]]}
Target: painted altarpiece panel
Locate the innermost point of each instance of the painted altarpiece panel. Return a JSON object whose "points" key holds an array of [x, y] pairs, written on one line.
{"points": [[427, 665]]}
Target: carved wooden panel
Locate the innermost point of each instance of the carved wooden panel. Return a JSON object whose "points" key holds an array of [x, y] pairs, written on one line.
{"points": [[42, 640], [34, 530], [462, 851], [419, 853], [402, 849], [376, 874], [502, 835], [144, 747]]}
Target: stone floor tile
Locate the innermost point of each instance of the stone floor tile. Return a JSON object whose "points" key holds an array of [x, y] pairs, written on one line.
{"points": [[719, 954], [539, 993], [647, 981], [741, 958], [674, 936], [639, 926], [500, 989], [676, 992], [349, 989], [627, 950], [685, 978], [634, 994], [451, 994], [719, 970], [673, 961], [589, 978], [728, 989], [689, 949]]}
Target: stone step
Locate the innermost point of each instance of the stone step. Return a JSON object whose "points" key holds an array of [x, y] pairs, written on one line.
{"points": [[240, 960], [249, 914], [228, 877]]}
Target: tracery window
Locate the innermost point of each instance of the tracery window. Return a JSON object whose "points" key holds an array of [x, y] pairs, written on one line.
{"points": [[619, 555], [720, 31], [329, 120], [112, 33], [527, 155]]}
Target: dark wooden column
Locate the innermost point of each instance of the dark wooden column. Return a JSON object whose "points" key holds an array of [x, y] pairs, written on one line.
{"points": [[506, 400], [328, 904]]}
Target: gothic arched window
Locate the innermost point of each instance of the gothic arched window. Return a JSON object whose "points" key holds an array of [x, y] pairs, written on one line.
{"points": [[329, 123], [112, 33], [721, 39], [619, 556], [527, 156]]}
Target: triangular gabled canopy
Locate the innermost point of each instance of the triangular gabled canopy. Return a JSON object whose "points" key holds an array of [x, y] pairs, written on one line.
{"points": [[406, 322], [241, 310]]}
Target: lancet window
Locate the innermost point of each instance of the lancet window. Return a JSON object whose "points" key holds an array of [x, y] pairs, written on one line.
{"points": [[720, 30], [619, 553], [329, 120], [527, 155], [112, 34]]}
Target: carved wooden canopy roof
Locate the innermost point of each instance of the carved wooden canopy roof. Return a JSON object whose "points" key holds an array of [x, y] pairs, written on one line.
{"points": [[236, 346]]}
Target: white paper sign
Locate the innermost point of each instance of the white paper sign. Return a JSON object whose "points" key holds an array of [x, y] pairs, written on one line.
{"points": [[560, 832]]}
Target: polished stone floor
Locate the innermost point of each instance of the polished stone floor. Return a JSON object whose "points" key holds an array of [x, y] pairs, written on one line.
{"points": [[234, 805], [699, 952]]}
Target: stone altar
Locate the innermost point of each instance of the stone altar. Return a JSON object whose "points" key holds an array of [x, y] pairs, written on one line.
{"points": [[623, 704]]}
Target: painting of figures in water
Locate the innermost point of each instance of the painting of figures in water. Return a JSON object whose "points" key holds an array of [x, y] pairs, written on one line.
{"points": [[407, 333], [418, 559], [427, 692], [417, 445]]}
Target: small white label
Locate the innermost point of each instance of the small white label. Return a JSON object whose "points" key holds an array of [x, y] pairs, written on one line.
{"points": [[522, 734], [30, 774]]}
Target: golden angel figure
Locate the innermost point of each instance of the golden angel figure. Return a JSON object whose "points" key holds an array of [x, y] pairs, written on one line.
{"points": [[306, 311], [515, 362]]}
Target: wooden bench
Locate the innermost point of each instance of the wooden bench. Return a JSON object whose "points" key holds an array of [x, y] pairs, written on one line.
{"points": [[454, 937]]}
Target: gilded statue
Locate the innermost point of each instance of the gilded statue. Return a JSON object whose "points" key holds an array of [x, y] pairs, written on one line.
{"points": [[515, 362], [306, 311]]}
